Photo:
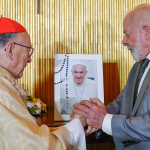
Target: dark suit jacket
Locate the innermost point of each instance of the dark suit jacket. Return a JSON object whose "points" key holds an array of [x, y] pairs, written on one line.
{"points": [[132, 125]]}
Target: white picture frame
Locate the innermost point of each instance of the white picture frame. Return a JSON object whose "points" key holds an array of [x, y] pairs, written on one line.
{"points": [[94, 74]]}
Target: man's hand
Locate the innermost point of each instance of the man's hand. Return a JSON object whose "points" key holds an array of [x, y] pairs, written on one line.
{"points": [[93, 111], [87, 129], [83, 122], [72, 116]]}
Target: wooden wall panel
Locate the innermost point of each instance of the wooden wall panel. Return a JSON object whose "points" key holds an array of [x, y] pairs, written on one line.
{"points": [[70, 26], [101, 146], [111, 81]]}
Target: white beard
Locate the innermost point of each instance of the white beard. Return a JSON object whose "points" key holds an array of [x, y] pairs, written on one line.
{"points": [[135, 51], [135, 54]]}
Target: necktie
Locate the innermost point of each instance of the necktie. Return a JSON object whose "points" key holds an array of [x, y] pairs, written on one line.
{"points": [[141, 71]]}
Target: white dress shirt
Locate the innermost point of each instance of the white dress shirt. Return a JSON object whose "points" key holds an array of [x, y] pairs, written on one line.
{"points": [[106, 126]]}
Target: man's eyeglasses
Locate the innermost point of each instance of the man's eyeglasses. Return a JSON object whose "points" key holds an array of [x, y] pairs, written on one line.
{"points": [[30, 49]]}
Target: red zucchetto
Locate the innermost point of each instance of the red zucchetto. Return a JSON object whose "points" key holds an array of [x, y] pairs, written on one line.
{"points": [[8, 26]]}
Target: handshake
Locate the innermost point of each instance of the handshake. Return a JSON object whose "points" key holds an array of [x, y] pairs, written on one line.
{"points": [[91, 114]]}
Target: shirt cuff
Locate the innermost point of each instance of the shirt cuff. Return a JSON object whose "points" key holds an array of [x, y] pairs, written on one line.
{"points": [[77, 135], [106, 126]]}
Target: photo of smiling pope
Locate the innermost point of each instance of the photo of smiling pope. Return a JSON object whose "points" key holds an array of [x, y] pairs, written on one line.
{"points": [[80, 84]]}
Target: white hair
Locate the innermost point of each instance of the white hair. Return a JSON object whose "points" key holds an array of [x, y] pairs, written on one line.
{"points": [[78, 63]]}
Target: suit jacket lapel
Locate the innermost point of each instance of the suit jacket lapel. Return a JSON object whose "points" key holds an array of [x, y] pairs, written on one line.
{"points": [[132, 92], [140, 96]]}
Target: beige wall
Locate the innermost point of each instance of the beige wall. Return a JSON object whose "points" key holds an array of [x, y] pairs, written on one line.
{"points": [[73, 26]]}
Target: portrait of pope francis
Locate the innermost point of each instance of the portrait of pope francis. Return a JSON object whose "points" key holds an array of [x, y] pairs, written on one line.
{"points": [[78, 87]]}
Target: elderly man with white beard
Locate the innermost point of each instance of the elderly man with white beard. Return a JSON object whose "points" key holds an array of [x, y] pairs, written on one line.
{"points": [[78, 88], [127, 118]]}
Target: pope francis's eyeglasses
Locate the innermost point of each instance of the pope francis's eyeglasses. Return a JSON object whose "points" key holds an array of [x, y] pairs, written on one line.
{"points": [[30, 49]]}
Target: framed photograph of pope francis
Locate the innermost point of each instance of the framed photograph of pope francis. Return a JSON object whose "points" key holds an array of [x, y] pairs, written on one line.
{"points": [[76, 78]]}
